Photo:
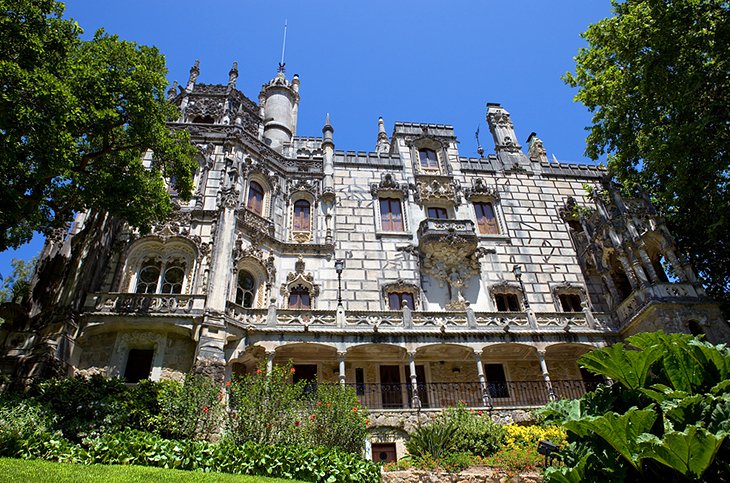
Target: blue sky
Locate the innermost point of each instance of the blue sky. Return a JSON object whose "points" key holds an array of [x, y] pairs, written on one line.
{"points": [[418, 61]]}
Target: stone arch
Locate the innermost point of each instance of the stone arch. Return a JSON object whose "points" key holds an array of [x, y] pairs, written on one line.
{"points": [[162, 250]]}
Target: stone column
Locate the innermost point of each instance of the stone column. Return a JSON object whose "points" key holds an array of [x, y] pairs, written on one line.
{"points": [[482, 379], [415, 399], [638, 270], [270, 361], [684, 271], [630, 274], [612, 291], [341, 359], [648, 266], [546, 374]]}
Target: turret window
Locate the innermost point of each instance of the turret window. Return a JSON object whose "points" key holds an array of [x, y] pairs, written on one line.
{"points": [[507, 302], [255, 198], [429, 159], [570, 302], [398, 300]]}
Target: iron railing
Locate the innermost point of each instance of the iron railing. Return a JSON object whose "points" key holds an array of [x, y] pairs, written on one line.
{"points": [[437, 395]]}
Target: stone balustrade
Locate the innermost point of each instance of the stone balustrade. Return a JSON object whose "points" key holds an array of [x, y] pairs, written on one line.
{"points": [[663, 292], [135, 303]]}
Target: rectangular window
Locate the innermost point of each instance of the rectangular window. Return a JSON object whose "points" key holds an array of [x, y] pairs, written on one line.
{"points": [[299, 299], [496, 380], [570, 302], [486, 219], [391, 216], [429, 159], [438, 213], [360, 381], [397, 299], [301, 216], [507, 302]]}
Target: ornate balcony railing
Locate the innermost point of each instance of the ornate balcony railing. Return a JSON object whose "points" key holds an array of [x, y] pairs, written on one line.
{"points": [[136, 303], [663, 292], [438, 395], [418, 320]]}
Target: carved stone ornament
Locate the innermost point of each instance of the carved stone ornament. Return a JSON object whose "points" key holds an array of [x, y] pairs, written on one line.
{"points": [[569, 211], [252, 166], [503, 286], [388, 184], [228, 198], [480, 188], [299, 279], [401, 286], [257, 255], [310, 186], [204, 107], [436, 189]]}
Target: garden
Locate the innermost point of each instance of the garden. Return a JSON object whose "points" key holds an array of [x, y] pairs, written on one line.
{"points": [[665, 414]]}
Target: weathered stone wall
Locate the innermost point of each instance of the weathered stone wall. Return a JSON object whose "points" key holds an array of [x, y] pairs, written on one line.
{"points": [[179, 355], [95, 355], [471, 475]]}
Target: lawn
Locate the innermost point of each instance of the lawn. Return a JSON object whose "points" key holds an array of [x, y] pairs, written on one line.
{"points": [[23, 471]]}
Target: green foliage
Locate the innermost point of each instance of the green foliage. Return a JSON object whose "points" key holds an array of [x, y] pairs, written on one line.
{"points": [[16, 286], [677, 426], [84, 407], [655, 78], [269, 409], [192, 410], [436, 439], [477, 433], [21, 420], [75, 119]]}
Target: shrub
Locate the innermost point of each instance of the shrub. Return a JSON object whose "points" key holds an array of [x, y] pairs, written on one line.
{"points": [[21, 420], [83, 407], [268, 409], [192, 410], [666, 416], [517, 436], [433, 440], [477, 433], [515, 459]]}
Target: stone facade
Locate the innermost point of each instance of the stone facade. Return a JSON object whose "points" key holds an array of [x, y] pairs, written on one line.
{"points": [[472, 280]]}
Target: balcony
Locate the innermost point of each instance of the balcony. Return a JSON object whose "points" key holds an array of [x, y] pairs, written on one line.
{"points": [[447, 238], [136, 303], [640, 299], [439, 395]]}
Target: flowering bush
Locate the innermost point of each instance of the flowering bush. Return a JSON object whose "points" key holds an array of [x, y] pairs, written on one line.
{"points": [[192, 410], [267, 408], [516, 459], [517, 436]]}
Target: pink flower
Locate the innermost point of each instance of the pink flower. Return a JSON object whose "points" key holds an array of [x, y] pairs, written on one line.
{"points": [[292, 370], [259, 371]]}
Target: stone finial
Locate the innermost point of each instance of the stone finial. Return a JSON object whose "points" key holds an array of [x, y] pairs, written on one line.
{"points": [[295, 83], [232, 76], [328, 130], [502, 129], [172, 92], [194, 73], [383, 143], [535, 149]]}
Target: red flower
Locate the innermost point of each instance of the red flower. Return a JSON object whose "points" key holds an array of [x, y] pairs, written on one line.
{"points": [[292, 370], [479, 413], [296, 424], [228, 383], [259, 371], [367, 421], [319, 403], [354, 410], [205, 410], [329, 405], [312, 417]]}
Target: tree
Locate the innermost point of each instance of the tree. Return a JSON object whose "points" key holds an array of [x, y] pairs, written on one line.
{"points": [[16, 286], [656, 77], [76, 118]]}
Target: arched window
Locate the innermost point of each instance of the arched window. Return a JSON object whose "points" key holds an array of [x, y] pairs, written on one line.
{"points": [[255, 198], [396, 300], [172, 281], [301, 221], [246, 289], [158, 277], [299, 298], [391, 216], [486, 218], [149, 276], [429, 159]]}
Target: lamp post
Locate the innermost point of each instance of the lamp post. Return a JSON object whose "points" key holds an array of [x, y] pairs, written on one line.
{"points": [[339, 266], [517, 270]]}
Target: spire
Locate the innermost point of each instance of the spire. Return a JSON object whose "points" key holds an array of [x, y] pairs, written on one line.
{"points": [[232, 76], [383, 144], [282, 64], [194, 73], [327, 131]]}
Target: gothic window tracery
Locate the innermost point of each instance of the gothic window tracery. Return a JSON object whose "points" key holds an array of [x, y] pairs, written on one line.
{"points": [[299, 298], [157, 277], [246, 289], [159, 265]]}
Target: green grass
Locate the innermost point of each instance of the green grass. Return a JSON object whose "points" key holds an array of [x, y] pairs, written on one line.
{"points": [[37, 471]]}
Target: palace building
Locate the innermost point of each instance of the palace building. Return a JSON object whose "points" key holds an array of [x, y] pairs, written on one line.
{"points": [[418, 276]]}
